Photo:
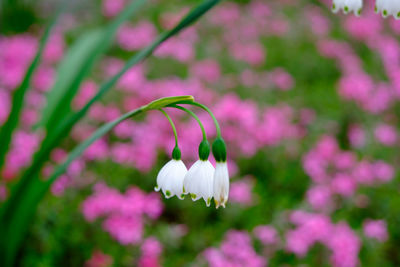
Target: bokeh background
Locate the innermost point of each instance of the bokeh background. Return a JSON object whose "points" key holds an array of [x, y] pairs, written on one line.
{"points": [[308, 103]]}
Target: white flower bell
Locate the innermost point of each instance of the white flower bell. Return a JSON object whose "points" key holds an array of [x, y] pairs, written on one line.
{"points": [[171, 176], [221, 184], [199, 181], [221, 175]]}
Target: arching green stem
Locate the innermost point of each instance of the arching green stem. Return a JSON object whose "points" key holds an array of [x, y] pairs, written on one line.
{"points": [[191, 113], [172, 125], [209, 112]]}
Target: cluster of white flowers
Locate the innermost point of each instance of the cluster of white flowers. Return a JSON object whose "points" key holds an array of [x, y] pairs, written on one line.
{"points": [[202, 180], [385, 7], [388, 7], [347, 6]]}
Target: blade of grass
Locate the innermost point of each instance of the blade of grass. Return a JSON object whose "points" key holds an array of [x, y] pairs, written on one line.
{"points": [[77, 66], [9, 126]]}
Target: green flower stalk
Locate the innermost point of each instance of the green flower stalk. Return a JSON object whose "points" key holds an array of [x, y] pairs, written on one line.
{"points": [[171, 176]]}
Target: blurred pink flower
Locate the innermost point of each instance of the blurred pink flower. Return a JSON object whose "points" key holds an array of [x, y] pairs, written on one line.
{"points": [[386, 134], [136, 37], [207, 70], [241, 191], [124, 213], [236, 250], [266, 234], [112, 7], [99, 259], [376, 229]]}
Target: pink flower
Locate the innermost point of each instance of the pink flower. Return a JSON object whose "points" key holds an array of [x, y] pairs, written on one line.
{"points": [[345, 246], [386, 134], [236, 250], [344, 184], [282, 79], [383, 171], [319, 197], [99, 259], [241, 192], [112, 7], [356, 136], [207, 70], [266, 234], [376, 229], [136, 37]]}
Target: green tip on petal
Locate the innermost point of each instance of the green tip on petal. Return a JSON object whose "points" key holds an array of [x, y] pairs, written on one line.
{"points": [[333, 6], [182, 196], [183, 190], [346, 9], [193, 196], [398, 15], [208, 201], [376, 9], [385, 12], [168, 193], [359, 12]]}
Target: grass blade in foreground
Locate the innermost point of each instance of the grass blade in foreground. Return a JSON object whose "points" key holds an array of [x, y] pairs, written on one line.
{"points": [[9, 126], [77, 65]]}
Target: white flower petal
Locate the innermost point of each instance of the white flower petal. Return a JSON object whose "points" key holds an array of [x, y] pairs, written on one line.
{"points": [[170, 178], [199, 181], [221, 184]]}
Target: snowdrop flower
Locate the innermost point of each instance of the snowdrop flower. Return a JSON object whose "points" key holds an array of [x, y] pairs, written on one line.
{"points": [[347, 6], [199, 180], [221, 176], [170, 178], [388, 7]]}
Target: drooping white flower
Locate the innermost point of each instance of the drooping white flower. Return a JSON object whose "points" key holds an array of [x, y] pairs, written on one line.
{"points": [[221, 184], [170, 179], [347, 6], [388, 7], [199, 181]]}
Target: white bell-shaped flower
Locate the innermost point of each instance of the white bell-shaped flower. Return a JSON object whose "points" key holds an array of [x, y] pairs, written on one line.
{"points": [[221, 184], [170, 179], [388, 7], [347, 6], [199, 181]]}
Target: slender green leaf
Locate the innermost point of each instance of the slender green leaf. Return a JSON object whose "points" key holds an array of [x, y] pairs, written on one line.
{"points": [[77, 65], [68, 70], [9, 126]]}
